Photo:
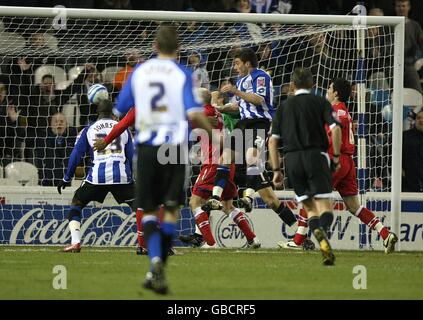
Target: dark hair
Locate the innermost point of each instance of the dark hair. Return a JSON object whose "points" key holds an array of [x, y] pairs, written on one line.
{"points": [[47, 76], [343, 87], [167, 39], [105, 107], [247, 55], [302, 78]]}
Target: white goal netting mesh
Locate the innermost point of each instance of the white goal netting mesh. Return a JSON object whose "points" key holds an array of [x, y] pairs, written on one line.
{"points": [[46, 70]]}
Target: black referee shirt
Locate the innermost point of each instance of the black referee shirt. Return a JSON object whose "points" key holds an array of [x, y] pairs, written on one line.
{"points": [[300, 122]]}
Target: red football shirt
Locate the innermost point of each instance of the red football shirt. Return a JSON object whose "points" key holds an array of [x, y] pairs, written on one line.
{"points": [[348, 143], [207, 148]]}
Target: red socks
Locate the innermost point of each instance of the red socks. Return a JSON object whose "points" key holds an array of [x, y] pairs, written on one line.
{"points": [[242, 223], [368, 217], [203, 223], [140, 234], [301, 233]]}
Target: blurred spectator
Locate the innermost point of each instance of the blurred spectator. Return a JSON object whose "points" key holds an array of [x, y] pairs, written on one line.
{"points": [[380, 52], [211, 5], [200, 74], [133, 57], [413, 43], [242, 6], [113, 4], [378, 141], [220, 63], [168, 5], [268, 63], [412, 157], [45, 101], [52, 152], [299, 6], [264, 6], [12, 129]]}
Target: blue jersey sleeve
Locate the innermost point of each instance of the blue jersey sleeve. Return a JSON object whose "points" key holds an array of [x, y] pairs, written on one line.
{"points": [[78, 152], [261, 84], [191, 102], [125, 99]]}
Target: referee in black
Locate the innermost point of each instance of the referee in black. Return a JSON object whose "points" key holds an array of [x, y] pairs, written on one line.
{"points": [[300, 123]]}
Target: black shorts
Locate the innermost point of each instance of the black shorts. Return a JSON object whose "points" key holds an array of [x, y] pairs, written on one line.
{"points": [[240, 180], [159, 184], [309, 173], [87, 192], [247, 131]]}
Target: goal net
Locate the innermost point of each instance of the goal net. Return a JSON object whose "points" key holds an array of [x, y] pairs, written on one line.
{"points": [[49, 61]]}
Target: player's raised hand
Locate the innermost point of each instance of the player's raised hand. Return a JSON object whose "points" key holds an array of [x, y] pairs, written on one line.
{"points": [[278, 179], [99, 144], [62, 185]]}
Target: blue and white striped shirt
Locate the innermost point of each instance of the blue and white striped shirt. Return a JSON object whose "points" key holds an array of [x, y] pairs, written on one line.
{"points": [[163, 94], [112, 165], [260, 83]]}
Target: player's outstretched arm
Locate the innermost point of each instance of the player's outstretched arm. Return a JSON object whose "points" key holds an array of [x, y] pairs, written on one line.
{"points": [[125, 123], [75, 158], [246, 96], [226, 108]]}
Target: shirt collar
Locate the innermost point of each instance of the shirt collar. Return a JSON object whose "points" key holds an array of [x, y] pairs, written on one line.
{"points": [[302, 91]]}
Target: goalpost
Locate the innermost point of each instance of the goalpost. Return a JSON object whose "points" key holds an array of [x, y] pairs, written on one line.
{"points": [[362, 49]]}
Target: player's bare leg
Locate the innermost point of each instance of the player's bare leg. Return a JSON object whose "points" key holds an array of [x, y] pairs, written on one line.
{"points": [[319, 219], [254, 169], [367, 217], [239, 218], [222, 176]]}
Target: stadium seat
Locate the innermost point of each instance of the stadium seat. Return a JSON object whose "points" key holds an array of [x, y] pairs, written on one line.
{"points": [[412, 102], [412, 98], [9, 182], [377, 81], [418, 64], [63, 85], [51, 41], [58, 73], [12, 43], [380, 98], [24, 173], [109, 73], [71, 112], [74, 72]]}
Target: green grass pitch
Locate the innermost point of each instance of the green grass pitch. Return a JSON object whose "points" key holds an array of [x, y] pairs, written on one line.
{"points": [[27, 273]]}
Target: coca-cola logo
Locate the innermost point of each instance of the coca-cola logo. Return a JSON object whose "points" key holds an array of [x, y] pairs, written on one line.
{"points": [[106, 226]]}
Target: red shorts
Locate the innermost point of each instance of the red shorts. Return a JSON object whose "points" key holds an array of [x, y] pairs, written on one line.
{"points": [[203, 187], [345, 179]]}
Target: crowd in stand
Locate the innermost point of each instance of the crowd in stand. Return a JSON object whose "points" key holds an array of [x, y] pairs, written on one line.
{"points": [[33, 126]]}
